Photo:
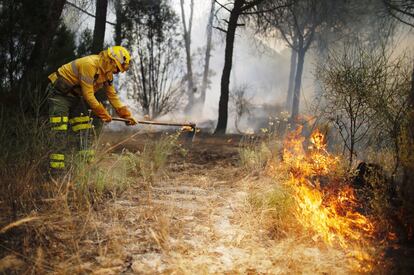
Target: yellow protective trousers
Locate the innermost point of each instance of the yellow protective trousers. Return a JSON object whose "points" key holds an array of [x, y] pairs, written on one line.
{"points": [[72, 130]]}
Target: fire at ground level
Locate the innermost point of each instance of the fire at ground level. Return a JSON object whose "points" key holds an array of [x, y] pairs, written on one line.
{"points": [[199, 216]]}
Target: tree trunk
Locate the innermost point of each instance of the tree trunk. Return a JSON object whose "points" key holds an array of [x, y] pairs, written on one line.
{"points": [[187, 43], [298, 83], [352, 133], [407, 190], [408, 165], [119, 20], [293, 60], [208, 55], [100, 24], [228, 61], [44, 38], [412, 109]]}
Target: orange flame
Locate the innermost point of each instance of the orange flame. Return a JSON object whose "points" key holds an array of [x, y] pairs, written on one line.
{"points": [[187, 128], [329, 212]]}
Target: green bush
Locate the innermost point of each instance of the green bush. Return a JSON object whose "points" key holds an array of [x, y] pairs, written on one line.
{"points": [[277, 207], [109, 175], [153, 158], [255, 158], [23, 153], [256, 151]]}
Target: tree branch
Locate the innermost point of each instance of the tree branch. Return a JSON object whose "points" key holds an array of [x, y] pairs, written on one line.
{"points": [[400, 19], [238, 25], [250, 5], [291, 44], [265, 11], [310, 38], [223, 6], [220, 29], [86, 12], [407, 10]]}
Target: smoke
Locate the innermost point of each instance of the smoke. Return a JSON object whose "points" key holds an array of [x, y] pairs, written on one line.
{"points": [[260, 64]]}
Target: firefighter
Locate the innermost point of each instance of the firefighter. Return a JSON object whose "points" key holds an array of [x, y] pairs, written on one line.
{"points": [[72, 101]]}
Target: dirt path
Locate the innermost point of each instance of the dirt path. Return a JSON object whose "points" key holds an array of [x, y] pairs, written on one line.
{"points": [[193, 221], [193, 218], [202, 235]]}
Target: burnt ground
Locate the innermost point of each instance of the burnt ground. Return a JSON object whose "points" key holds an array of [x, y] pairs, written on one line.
{"points": [[203, 225], [194, 218]]}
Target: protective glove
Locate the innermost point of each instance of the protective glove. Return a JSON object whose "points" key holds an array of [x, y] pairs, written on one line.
{"points": [[132, 121], [125, 113], [101, 112]]}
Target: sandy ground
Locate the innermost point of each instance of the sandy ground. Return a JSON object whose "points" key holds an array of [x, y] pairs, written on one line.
{"points": [[194, 219]]}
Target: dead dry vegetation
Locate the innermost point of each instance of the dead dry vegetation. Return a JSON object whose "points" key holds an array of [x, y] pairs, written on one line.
{"points": [[161, 208]]}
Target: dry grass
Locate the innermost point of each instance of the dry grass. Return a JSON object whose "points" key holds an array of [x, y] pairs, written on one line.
{"points": [[256, 150], [72, 230], [18, 223], [271, 214], [273, 208], [200, 214], [153, 157], [10, 262], [384, 158]]}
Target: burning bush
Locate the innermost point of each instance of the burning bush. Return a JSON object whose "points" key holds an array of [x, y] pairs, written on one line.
{"points": [[318, 200], [366, 97]]}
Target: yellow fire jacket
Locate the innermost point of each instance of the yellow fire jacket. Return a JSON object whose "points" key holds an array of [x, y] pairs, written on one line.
{"points": [[87, 75]]}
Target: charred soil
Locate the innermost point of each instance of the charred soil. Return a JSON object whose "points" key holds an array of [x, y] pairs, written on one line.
{"points": [[194, 217]]}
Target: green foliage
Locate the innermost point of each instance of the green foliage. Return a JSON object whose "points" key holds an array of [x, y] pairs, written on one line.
{"points": [[256, 151], [277, 207], [254, 157], [365, 96], [153, 158], [109, 175], [85, 43], [21, 22], [63, 49], [381, 202], [23, 155], [151, 27], [355, 20], [379, 198]]}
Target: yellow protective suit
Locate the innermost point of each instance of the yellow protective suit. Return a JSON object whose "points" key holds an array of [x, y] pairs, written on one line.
{"points": [[87, 75]]}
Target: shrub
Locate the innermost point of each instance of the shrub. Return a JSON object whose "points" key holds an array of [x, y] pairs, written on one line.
{"points": [[153, 158], [365, 97], [109, 175], [23, 154], [276, 206]]}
